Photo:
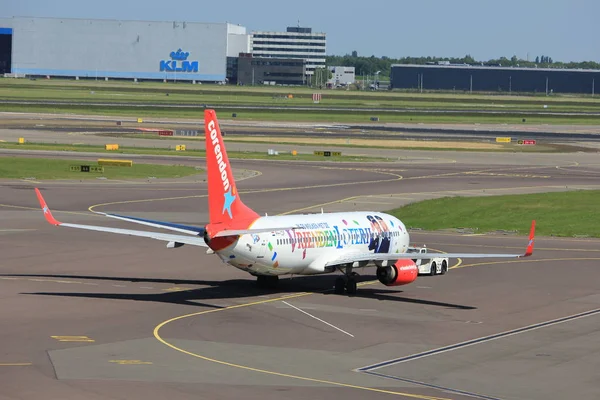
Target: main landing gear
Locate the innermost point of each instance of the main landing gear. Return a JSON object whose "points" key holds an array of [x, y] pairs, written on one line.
{"points": [[348, 282], [267, 281]]}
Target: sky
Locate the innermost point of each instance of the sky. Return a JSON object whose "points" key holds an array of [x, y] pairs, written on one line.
{"points": [[565, 30]]}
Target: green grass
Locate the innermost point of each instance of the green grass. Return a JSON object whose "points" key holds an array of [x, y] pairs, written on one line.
{"points": [[153, 98], [558, 214], [43, 168], [189, 153], [358, 117], [112, 87]]}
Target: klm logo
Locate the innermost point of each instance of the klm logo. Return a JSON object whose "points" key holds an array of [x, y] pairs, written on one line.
{"points": [[178, 63]]}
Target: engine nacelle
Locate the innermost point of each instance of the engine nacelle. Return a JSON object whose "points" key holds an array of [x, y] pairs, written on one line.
{"points": [[402, 272]]}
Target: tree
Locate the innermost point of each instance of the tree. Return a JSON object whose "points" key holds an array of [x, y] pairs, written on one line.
{"points": [[321, 76], [368, 65], [468, 59]]}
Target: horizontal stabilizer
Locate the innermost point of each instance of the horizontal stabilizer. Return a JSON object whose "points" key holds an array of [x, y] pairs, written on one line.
{"points": [[192, 230], [176, 239]]}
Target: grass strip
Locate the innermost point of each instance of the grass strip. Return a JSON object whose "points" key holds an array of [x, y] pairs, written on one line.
{"points": [[566, 214], [49, 168]]}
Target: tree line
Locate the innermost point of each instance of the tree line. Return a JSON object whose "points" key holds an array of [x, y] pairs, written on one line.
{"points": [[370, 65]]}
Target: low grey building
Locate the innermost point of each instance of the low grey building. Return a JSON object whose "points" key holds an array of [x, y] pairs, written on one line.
{"points": [[342, 75], [493, 79], [270, 70]]}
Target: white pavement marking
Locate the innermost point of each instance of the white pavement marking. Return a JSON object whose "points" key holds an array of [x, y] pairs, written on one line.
{"points": [[318, 319], [479, 340]]}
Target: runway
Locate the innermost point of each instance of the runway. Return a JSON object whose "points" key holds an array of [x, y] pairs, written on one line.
{"points": [[90, 315], [83, 129]]}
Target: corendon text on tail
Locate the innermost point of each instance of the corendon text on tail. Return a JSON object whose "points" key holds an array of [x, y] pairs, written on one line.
{"points": [[271, 246], [217, 149]]}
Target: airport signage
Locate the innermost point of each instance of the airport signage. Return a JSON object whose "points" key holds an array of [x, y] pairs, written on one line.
{"points": [[328, 153], [527, 142], [188, 132], [86, 168], [165, 133], [178, 63], [503, 140]]}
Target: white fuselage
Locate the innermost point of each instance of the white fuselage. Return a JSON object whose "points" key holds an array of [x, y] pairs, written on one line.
{"points": [[317, 239]]}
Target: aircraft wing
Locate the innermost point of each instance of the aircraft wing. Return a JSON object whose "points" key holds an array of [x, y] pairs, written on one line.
{"points": [[356, 257], [182, 239]]}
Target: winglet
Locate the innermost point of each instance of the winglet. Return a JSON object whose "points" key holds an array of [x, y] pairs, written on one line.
{"points": [[529, 250], [45, 209]]}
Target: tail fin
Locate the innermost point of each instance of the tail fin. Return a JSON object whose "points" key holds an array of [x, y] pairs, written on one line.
{"points": [[226, 209]]}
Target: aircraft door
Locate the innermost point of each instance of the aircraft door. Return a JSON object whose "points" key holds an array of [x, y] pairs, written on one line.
{"points": [[262, 249]]}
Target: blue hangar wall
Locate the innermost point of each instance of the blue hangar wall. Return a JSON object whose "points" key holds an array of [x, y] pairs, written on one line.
{"points": [[89, 48]]}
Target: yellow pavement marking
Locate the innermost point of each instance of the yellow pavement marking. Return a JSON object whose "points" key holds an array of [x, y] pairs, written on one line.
{"points": [[91, 208], [130, 362], [267, 372], [72, 338], [39, 209], [176, 289], [29, 181], [256, 175], [513, 247], [486, 173], [15, 364], [491, 235], [38, 279], [371, 202], [299, 210], [396, 178], [528, 260]]}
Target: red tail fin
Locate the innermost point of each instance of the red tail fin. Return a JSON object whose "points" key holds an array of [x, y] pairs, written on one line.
{"points": [[226, 209]]}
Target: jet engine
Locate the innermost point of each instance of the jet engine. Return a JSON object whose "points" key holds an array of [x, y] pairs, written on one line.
{"points": [[402, 272]]}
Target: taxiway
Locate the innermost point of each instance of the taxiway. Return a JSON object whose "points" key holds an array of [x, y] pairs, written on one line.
{"points": [[90, 315]]}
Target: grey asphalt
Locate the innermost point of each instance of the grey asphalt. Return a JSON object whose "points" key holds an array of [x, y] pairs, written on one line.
{"points": [[117, 290], [80, 126], [200, 106]]}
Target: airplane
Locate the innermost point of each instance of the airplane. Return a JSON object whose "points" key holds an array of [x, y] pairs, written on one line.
{"points": [[271, 246]]}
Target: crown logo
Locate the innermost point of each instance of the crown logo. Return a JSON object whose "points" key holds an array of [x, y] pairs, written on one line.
{"points": [[179, 55]]}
